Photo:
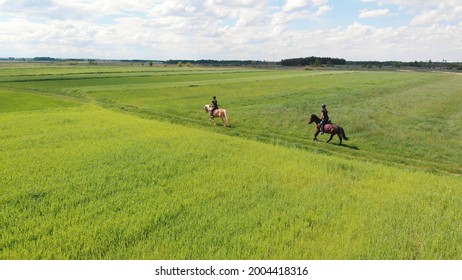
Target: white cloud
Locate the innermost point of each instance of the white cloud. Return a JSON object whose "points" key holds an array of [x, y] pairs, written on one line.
{"points": [[429, 17], [225, 29], [292, 5], [373, 13], [173, 7], [296, 5], [323, 10], [407, 3], [363, 42], [444, 12]]}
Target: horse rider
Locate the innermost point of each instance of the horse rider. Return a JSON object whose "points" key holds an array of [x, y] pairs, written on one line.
{"points": [[324, 118], [214, 105]]}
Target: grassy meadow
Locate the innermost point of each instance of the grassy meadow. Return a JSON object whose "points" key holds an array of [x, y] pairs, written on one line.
{"points": [[120, 162]]}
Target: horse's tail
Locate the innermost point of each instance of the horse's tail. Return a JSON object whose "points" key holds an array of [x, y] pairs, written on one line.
{"points": [[343, 134], [226, 118]]}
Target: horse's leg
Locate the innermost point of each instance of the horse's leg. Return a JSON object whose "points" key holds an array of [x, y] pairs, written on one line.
{"points": [[330, 138], [339, 137], [316, 135], [212, 120], [223, 120]]}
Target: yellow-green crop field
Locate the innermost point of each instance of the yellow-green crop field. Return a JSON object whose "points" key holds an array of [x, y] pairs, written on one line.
{"points": [[120, 162]]}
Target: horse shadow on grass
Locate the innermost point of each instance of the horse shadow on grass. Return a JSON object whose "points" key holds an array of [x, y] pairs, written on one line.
{"points": [[352, 147]]}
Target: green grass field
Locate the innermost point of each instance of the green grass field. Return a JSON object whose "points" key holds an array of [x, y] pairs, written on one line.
{"points": [[120, 162]]}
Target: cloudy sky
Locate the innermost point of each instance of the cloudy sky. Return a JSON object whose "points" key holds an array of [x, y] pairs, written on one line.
{"points": [[270, 30]]}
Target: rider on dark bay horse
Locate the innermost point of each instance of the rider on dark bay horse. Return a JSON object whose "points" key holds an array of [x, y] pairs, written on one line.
{"points": [[214, 105], [324, 118]]}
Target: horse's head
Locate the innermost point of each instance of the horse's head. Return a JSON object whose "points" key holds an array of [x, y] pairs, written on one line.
{"points": [[313, 118], [207, 108]]}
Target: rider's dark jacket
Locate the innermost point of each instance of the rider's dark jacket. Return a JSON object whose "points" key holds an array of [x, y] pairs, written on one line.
{"points": [[325, 116], [214, 104]]}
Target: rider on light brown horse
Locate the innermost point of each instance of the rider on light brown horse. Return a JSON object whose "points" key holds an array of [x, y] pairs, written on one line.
{"points": [[214, 105], [214, 111]]}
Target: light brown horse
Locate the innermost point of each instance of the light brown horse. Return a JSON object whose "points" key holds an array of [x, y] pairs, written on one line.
{"points": [[330, 128], [221, 113]]}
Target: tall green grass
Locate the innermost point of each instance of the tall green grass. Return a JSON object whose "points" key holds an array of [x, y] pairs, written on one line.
{"points": [[87, 183], [80, 181], [406, 118]]}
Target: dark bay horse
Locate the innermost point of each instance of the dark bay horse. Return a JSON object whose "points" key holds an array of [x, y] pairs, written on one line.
{"points": [[330, 128], [221, 113]]}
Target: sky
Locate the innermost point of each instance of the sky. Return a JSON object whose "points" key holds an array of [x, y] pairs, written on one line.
{"points": [[269, 30]]}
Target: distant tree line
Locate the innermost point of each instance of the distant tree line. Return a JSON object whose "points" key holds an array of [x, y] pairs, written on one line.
{"points": [[414, 64], [313, 61], [328, 61], [302, 61], [212, 62], [44, 58]]}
